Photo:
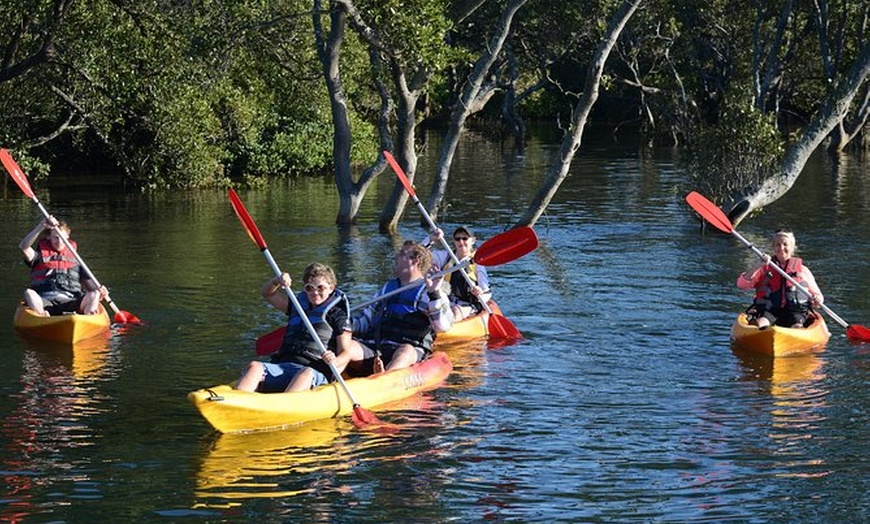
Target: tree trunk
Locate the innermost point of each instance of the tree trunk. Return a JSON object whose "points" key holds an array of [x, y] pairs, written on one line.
{"points": [[509, 113], [571, 142], [329, 51], [830, 116], [473, 98], [406, 131]]}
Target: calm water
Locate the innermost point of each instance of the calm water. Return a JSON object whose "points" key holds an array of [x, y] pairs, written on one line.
{"points": [[623, 403]]}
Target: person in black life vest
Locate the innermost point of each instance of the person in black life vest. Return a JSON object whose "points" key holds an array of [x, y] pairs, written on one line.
{"points": [[465, 300], [298, 364], [778, 301], [398, 331], [57, 285]]}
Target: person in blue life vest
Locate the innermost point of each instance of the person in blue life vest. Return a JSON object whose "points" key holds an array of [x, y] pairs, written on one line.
{"points": [[299, 365], [465, 299], [398, 331], [778, 301], [57, 285]]}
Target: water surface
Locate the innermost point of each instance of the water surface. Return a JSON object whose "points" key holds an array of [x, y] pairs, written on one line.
{"points": [[624, 402]]}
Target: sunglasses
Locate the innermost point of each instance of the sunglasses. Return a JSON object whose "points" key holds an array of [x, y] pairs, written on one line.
{"points": [[311, 288], [460, 239]]}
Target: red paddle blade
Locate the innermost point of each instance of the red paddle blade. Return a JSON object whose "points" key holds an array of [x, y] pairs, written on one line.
{"points": [[400, 173], [709, 211], [270, 342], [246, 220], [507, 246], [858, 333], [365, 419], [16, 173], [501, 327], [125, 317]]}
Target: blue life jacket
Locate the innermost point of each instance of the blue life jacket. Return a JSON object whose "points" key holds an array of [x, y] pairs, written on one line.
{"points": [[398, 319]]}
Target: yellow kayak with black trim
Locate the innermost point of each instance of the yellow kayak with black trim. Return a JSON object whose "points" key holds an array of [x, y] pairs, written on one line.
{"points": [[229, 410], [777, 341], [61, 328]]}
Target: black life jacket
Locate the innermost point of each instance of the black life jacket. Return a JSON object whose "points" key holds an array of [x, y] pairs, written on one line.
{"points": [[459, 287], [298, 346], [53, 270]]}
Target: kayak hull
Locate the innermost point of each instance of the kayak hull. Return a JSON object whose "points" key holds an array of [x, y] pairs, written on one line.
{"points": [[475, 326], [777, 341], [61, 328], [231, 411]]}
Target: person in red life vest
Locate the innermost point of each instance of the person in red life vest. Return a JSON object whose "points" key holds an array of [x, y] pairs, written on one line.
{"points": [[56, 285], [778, 301], [465, 300], [299, 364]]}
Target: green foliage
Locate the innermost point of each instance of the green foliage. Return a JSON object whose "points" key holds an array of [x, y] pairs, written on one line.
{"points": [[417, 33], [198, 94], [739, 151]]}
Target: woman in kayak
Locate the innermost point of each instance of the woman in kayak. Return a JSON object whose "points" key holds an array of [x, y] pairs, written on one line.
{"points": [[465, 299], [778, 301], [56, 286], [299, 364]]}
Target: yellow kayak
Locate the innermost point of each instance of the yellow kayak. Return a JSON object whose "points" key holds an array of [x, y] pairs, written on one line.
{"points": [[779, 341], [475, 326], [61, 328], [230, 411]]}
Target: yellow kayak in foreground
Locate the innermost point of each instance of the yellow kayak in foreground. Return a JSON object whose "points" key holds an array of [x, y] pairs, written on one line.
{"points": [[779, 341], [229, 410], [61, 328]]}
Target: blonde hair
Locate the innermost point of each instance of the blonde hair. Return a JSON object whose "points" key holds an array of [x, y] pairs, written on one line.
{"points": [[417, 251], [785, 233]]}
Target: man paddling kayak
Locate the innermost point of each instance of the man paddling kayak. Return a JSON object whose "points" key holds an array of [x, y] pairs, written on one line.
{"points": [[56, 286], [399, 331]]}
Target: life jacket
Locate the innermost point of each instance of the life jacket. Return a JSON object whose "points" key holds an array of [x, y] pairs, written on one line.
{"points": [[53, 270], [398, 318], [298, 346], [777, 293], [459, 287]]}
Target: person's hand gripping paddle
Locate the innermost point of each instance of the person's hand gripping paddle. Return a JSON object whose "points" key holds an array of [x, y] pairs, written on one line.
{"points": [[362, 417], [712, 214]]}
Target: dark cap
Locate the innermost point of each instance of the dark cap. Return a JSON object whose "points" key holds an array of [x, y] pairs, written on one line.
{"points": [[468, 231]]}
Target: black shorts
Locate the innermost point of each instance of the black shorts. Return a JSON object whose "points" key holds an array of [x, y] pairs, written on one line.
{"points": [[386, 352], [61, 305], [778, 317]]}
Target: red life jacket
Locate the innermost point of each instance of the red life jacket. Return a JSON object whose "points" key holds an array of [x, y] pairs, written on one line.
{"points": [[776, 292], [53, 270]]}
